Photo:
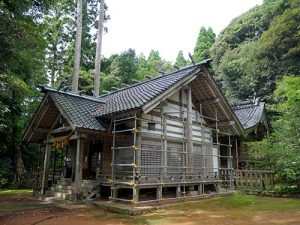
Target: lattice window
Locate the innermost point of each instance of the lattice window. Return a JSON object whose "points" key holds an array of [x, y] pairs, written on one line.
{"points": [[175, 157], [197, 158], [151, 157], [123, 156]]}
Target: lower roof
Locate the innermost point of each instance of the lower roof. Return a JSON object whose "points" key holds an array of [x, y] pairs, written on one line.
{"points": [[249, 113]]}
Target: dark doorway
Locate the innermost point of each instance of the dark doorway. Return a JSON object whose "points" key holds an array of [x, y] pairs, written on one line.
{"points": [[95, 158]]}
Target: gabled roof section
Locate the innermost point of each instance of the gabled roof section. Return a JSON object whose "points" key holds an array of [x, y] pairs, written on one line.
{"points": [[74, 108], [250, 114], [138, 95], [78, 110]]}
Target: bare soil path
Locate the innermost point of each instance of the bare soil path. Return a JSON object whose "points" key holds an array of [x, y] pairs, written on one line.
{"points": [[231, 210]]}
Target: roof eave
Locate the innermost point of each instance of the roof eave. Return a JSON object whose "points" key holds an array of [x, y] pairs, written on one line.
{"points": [[156, 101]]}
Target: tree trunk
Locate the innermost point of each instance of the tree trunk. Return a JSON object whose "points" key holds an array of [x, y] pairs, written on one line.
{"points": [[77, 55], [19, 164], [53, 69], [98, 50]]}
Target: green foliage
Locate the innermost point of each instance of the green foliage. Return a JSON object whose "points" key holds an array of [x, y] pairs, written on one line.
{"points": [[60, 37], [21, 68], [281, 150], [204, 42], [124, 66], [258, 48], [180, 60]]}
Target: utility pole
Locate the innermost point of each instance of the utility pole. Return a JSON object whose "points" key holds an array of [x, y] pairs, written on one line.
{"points": [[98, 50], [77, 53]]}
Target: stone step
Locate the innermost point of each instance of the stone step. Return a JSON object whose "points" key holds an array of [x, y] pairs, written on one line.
{"points": [[59, 186], [64, 196]]}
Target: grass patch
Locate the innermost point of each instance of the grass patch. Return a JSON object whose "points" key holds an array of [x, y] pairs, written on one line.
{"points": [[241, 202], [9, 192], [20, 207]]}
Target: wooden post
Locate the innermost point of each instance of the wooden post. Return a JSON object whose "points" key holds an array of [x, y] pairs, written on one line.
{"points": [[78, 170], [236, 154], [44, 185], [189, 128], [164, 170], [178, 191], [135, 195], [159, 193]]}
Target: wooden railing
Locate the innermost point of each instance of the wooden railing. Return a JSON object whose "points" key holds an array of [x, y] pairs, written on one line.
{"points": [[247, 179]]}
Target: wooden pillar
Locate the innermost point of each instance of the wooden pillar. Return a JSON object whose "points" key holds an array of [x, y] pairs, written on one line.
{"points": [[44, 185], [178, 191], [159, 193], [200, 189], [236, 154], [135, 195], [189, 128], [79, 166], [164, 170]]}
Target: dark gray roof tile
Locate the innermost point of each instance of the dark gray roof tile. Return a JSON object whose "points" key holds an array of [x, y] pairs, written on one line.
{"points": [[248, 113], [79, 109], [137, 95]]}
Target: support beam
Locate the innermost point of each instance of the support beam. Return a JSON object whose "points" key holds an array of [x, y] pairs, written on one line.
{"points": [[44, 184], [223, 123], [210, 101], [178, 191], [164, 143], [40, 130], [200, 189], [78, 170], [135, 195], [61, 129], [159, 193], [189, 126]]}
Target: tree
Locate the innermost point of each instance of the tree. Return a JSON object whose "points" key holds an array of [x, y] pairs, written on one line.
{"points": [[98, 50], [60, 37], [257, 49], [282, 148], [21, 68], [204, 42], [124, 66], [180, 60], [77, 54]]}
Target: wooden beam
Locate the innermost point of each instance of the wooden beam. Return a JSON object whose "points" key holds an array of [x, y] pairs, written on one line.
{"points": [[210, 101], [189, 126], [78, 168], [156, 101], [64, 114], [41, 116], [61, 129], [55, 121], [45, 174], [223, 123], [40, 130]]}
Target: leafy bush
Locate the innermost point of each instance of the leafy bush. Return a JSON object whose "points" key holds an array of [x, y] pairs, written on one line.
{"points": [[281, 150]]}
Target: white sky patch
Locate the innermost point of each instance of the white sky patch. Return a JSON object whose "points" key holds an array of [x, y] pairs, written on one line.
{"points": [[166, 25]]}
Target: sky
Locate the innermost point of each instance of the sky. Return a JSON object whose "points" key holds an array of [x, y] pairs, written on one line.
{"points": [[166, 26]]}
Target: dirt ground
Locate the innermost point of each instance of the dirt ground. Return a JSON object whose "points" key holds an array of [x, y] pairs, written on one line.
{"points": [[233, 210]]}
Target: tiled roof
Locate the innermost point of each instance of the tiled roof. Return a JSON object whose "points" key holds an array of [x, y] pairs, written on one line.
{"points": [[249, 113], [78, 109], [136, 96]]}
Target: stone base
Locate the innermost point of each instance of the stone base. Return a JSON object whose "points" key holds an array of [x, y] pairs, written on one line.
{"points": [[143, 208]]}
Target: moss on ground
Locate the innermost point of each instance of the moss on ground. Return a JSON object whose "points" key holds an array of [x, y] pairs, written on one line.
{"points": [[10, 192], [242, 202], [240, 207]]}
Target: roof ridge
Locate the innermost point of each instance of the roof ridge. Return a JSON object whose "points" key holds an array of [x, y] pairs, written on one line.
{"points": [[157, 77], [70, 93]]}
